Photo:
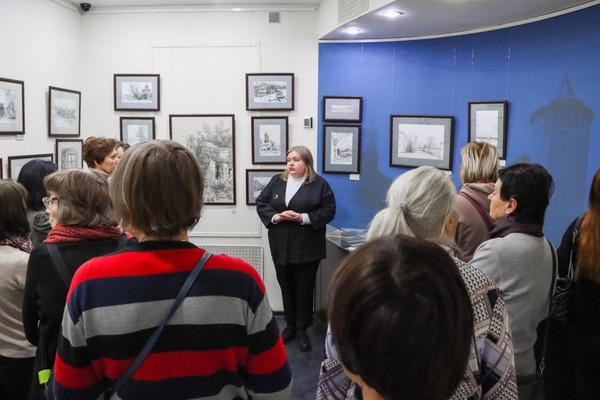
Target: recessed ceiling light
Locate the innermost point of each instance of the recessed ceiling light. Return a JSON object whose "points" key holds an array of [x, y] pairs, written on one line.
{"points": [[392, 13], [353, 31]]}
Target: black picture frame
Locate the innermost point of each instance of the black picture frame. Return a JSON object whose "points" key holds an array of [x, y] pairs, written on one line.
{"points": [[269, 140], [270, 92], [256, 180], [488, 122], [341, 149], [342, 109], [137, 92], [136, 129], [64, 112], [12, 107], [15, 163], [417, 140], [69, 153]]}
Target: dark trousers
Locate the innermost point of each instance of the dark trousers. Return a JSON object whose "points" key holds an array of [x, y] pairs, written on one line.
{"points": [[15, 377], [297, 282]]}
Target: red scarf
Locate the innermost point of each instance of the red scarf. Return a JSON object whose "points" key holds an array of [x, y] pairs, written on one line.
{"points": [[66, 233]]}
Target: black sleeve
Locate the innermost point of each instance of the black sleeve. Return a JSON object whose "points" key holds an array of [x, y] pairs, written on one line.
{"points": [[564, 250], [326, 211], [30, 312], [263, 206]]}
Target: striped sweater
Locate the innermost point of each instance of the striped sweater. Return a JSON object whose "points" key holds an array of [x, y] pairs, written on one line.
{"points": [[222, 343]]}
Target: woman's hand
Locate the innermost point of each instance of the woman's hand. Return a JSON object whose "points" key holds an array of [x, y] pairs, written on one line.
{"points": [[290, 215]]}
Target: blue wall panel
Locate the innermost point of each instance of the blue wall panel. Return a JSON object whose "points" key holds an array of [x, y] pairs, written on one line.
{"points": [[548, 71]]}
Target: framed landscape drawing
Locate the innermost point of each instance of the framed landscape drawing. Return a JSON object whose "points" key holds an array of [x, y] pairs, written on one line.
{"points": [[15, 163], [211, 138], [342, 109], [137, 92], [12, 107], [341, 149], [270, 92], [137, 129], [69, 153], [269, 140], [421, 140], [256, 180], [64, 112], [487, 123]]}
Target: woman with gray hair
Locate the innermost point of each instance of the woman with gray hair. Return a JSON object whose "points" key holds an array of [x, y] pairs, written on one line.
{"points": [[422, 203]]}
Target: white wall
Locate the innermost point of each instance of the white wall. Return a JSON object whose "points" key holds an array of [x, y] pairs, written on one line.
{"points": [[202, 58]]}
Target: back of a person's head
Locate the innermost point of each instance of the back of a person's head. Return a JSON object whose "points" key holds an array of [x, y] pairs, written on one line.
{"points": [[32, 176], [157, 189], [531, 185], [479, 163], [13, 216], [401, 318], [95, 149], [83, 198], [418, 203]]}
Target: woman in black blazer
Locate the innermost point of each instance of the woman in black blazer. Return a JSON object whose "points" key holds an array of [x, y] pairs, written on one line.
{"points": [[295, 206]]}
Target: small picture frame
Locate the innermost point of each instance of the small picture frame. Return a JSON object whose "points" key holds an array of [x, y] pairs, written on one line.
{"points": [[64, 112], [137, 92], [488, 121], [256, 180], [12, 107], [69, 153], [417, 140], [342, 109], [341, 149], [137, 129], [15, 163], [270, 92], [1, 164], [269, 140]]}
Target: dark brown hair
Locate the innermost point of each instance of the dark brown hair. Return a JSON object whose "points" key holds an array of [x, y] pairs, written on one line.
{"points": [[95, 149], [83, 198], [157, 189], [13, 216], [401, 318]]}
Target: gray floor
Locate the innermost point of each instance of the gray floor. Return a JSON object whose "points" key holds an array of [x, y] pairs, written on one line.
{"points": [[305, 366]]}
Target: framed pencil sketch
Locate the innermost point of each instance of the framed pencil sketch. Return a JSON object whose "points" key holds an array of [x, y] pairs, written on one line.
{"points": [[12, 107], [211, 138], [269, 140], [1, 169], [137, 129], [270, 92], [69, 153], [421, 140], [15, 163], [342, 109], [256, 180], [137, 92], [64, 112], [341, 149], [487, 123]]}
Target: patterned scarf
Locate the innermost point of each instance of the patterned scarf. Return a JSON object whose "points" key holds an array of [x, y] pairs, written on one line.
{"points": [[508, 225], [63, 233], [22, 243]]}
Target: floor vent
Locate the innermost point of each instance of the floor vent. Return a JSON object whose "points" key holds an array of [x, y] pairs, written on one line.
{"points": [[253, 255], [348, 9]]}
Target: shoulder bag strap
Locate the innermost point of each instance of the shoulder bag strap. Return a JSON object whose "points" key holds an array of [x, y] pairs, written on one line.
{"points": [[552, 288], [150, 343], [480, 210], [59, 263], [571, 272]]}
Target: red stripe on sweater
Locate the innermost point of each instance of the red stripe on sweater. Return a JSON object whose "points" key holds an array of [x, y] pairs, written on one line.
{"points": [[268, 361], [74, 378]]}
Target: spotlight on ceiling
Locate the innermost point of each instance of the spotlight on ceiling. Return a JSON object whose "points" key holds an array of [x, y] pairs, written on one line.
{"points": [[353, 31], [392, 13]]}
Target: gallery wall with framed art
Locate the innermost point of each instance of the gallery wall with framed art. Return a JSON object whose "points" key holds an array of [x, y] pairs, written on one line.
{"points": [[69, 153], [270, 140], [64, 112]]}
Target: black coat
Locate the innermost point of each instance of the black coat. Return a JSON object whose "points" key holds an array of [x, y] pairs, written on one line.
{"points": [[292, 242]]}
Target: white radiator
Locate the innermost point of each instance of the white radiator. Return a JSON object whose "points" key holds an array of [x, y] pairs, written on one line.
{"points": [[253, 255]]}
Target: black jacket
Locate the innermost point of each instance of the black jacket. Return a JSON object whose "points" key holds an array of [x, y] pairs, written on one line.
{"points": [[292, 242]]}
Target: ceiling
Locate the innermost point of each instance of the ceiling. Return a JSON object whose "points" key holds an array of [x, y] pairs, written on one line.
{"points": [[420, 19]]}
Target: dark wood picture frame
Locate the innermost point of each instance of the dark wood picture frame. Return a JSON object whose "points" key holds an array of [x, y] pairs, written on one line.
{"points": [[64, 112], [136, 92], [15, 163], [254, 189], [342, 109], [488, 122], [270, 140], [12, 111], [270, 92], [132, 132], [341, 149], [69, 153]]}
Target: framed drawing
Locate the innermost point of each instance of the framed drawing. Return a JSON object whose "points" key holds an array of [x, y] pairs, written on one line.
{"points": [[137, 92], [487, 123], [342, 109], [1, 169], [64, 112], [421, 140], [270, 92], [341, 149], [269, 140], [15, 163], [256, 180], [212, 139], [12, 107], [137, 129], [69, 153]]}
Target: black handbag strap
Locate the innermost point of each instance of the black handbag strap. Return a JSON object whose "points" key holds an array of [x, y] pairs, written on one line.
{"points": [[150, 343], [59, 263], [571, 271], [552, 288]]}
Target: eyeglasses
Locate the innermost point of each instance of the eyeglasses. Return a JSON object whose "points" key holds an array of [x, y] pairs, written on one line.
{"points": [[48, 201]]}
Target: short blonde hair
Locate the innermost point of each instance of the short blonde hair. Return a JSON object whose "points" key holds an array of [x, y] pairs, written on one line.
{"points": [[83, 198], [157, 189], [307, 159], [480, 163], [418, 203]]}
